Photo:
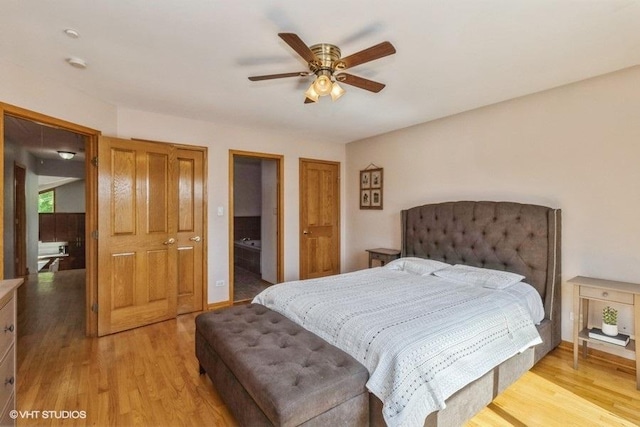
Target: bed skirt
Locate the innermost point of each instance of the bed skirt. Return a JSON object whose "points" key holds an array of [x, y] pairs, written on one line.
{"points": [[465, 403]]}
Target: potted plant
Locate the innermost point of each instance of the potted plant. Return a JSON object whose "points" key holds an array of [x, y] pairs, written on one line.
{"points": [[610, 321]]}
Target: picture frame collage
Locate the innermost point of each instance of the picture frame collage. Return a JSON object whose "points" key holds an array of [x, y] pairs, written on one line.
{"points": [[371, 188]]}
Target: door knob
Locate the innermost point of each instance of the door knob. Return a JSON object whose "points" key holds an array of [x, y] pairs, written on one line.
{"points": [[195, 239], [171, 241], [306, 232]]}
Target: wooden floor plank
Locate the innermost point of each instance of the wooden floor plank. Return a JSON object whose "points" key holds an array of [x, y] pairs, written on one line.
{"points": [[149, 376]]}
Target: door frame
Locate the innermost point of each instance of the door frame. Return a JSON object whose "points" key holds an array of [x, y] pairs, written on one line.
{"points": [[280, 203], [91, 197], [20, 215]]}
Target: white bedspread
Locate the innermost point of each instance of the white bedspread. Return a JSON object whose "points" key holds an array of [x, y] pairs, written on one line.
{"points": [[422, 338]]}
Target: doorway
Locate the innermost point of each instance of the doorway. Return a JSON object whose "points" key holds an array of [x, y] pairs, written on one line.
{"points": [[44, 140], [256, 218]]}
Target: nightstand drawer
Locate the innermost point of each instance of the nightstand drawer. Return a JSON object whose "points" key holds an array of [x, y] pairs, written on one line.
{"points": [[606, 295], [383, 257]]}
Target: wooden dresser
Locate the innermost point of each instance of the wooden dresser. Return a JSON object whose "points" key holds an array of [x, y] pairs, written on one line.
{"points": [[8, 334]]}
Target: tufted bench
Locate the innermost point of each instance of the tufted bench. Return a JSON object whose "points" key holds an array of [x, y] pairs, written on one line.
{"points": [[270, 371]]}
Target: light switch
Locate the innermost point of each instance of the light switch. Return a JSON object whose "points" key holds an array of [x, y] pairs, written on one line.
{"points": [[220, 210]]}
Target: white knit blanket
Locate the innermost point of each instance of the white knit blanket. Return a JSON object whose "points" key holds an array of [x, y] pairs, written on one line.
{"points": [[422, 338]]}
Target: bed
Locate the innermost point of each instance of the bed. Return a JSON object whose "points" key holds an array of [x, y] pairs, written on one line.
{"points": [[519, 238]]}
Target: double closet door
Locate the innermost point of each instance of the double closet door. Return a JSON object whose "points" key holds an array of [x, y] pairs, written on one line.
{"points": [[150, 233]]}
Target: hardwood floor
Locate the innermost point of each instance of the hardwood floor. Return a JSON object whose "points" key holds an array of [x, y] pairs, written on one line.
{"points": [[554, 394], [149, 376], [146, 376]]}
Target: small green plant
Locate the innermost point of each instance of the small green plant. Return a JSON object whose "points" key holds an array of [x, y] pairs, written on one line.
{"points": [[610, 316]]}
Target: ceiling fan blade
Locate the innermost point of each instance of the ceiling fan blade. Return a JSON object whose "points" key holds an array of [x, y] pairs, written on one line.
{"points": [[360, 82], [299, 46], [374, 52], [279, 76]]}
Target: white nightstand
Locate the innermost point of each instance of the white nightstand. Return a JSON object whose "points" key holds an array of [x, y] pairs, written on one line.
{"points": [[587, 289]]}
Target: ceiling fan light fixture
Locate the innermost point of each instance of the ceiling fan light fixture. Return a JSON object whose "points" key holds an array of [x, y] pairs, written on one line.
{"points": [[336, 91], [312, 94], [325, 61], [66, 155], [322, 85]]}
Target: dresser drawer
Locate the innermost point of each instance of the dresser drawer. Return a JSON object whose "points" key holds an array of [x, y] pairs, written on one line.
{"points": [[606, 295], [5, 418], [7, 379], [7, 327]]}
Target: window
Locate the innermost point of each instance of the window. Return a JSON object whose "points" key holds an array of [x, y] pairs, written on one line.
{"points": [[47, 201]]}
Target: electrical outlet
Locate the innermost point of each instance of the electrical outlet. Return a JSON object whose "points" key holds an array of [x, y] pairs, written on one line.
{"points": [[571, 316], [219, 282]]}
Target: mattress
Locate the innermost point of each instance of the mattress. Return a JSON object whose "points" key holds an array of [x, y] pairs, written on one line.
{"points": [[422, 338]]}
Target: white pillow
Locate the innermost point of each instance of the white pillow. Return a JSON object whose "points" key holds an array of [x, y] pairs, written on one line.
{"points": [[419, 266], [485, 277]]}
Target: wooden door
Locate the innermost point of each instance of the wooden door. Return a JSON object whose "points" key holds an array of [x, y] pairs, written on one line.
{"points": [[319, 218], [137, 254], [190, 225]]}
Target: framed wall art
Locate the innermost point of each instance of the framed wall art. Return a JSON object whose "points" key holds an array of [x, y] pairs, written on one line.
{"points": [[371, 188]]}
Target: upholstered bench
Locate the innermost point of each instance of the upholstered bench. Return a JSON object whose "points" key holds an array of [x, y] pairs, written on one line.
{"points": [[270, 371]]}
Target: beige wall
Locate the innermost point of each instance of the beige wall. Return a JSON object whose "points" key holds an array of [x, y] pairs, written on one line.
{"points": [[575, 147]]}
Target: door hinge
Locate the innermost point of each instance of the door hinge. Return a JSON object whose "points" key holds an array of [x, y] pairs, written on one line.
{"points": [[94, 161], [94, 234], [94, 307]]}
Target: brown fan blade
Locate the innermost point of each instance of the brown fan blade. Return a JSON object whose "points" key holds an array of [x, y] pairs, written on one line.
{"points": [[308, 101], [374, 52], [299, 46], [279, 76], [360, 82]]}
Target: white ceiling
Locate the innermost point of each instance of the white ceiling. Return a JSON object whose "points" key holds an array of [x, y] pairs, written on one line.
{"points": [[192, 58]]}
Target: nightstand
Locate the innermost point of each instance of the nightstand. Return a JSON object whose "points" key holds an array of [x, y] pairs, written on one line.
{"points": [[587, 289], [383, 255]]}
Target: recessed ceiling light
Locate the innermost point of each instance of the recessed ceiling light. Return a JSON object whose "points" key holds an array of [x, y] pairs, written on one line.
{"points": [[77, 63], [72, 33]]}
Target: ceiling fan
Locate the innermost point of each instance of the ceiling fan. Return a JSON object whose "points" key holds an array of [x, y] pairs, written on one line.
{"points": [[325, 63]]}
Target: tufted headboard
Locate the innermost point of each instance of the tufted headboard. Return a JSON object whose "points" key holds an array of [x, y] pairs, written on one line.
{"points": [[509, 236]]}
